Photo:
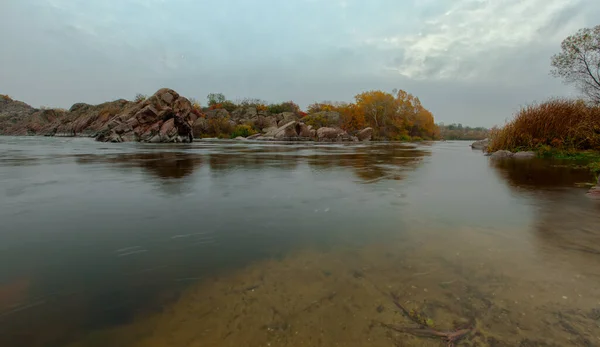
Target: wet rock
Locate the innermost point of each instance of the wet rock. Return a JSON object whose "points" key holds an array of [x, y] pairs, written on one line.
{"points": [[524, 155], [502, 154], [594, 193], [481, 144], [365, 135]]}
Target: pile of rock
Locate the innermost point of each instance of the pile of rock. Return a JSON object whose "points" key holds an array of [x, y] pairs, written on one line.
{"points": [[164, 117], [298, 131]]}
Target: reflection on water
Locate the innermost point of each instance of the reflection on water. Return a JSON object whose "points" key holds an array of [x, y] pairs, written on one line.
{"points": [[230, 244]]}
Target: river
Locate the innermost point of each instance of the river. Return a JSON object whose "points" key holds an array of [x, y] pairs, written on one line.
{"points": [[222, 243]]}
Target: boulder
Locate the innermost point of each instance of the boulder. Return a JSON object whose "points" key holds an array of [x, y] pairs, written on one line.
{"points": [[502, 154], [594, 193], [200, 127], [254, 137], [164, 117], [218, 113], [303, 130], [365, 135], [327, 134], [524, 155], [481, 144], [285, 118], [285, 131]]}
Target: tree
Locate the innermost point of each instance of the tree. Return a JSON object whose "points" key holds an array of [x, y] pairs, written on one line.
{"points": [[377, 106], [215, 98], [579, 62]]}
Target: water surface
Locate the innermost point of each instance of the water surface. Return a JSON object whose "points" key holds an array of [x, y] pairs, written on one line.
{"points": [[236, 243]]}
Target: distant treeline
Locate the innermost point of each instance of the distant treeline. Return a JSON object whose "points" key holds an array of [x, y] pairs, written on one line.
{"points": [[459, 132]]}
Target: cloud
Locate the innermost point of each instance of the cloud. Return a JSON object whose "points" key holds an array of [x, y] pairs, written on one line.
{"points": [[468, 37], [469, 61]]}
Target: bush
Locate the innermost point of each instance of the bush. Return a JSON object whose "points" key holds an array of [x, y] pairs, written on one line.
{"points": [[196, 104], [243, 131], [219, 126], [288, 106], [140, 97], [229, 106], [5, 97], [560, 123], [317, 121]]}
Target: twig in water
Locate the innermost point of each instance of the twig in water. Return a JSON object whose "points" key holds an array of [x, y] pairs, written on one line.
{"points": [[450, 337]]}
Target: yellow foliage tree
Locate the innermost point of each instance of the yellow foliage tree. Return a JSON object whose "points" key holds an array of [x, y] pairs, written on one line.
{"points": [[378, 107]]}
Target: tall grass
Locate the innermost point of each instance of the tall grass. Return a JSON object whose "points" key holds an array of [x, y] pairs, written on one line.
{"points": [[559, 124]]}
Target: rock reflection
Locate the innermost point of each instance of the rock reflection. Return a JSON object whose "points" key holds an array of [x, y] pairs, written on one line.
{"points": [[565, 220], [371, 163], [164, 165], [540, 173]]}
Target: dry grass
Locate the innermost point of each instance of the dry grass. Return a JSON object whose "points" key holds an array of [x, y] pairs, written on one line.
{"points": [[559, 123]]}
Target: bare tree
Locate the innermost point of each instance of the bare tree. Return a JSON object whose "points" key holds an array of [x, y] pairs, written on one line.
{"points": [[579, 62]]}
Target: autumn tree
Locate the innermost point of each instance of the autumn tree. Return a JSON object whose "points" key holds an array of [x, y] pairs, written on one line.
{"points": [[377, 106], [351, 117], [579, 62]]}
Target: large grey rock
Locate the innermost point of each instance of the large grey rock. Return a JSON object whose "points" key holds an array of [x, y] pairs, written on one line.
{"points": [[327, 134], [365, 135], [286, 130], [525, 155], [502, 154], [481, 144]]}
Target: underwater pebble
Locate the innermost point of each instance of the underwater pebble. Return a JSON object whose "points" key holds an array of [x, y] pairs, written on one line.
{"points": [[564, 297]]}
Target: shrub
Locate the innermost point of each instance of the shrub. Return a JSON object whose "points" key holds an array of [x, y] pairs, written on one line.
{"points": [[243, 131], [196, 104], [229, 106], [219, 126], [317, 121], [5, 97], [559, 123], [288, 106], [140, 97]]}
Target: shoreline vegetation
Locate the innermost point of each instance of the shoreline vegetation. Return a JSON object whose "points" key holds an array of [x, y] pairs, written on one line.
{"points": [[168, 117], [560, 128]]}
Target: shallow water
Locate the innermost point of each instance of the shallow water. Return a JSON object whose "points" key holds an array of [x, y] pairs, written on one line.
{"points": [[252, 244]]}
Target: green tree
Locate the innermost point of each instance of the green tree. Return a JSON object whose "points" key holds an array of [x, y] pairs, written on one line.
{"points": [[579, 62], [215, 99]]}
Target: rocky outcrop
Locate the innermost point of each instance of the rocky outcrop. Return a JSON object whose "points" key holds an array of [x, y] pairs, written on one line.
{"points": [[168, 117], [365, 135], [481, 144], [164, 117], [17, 118]]}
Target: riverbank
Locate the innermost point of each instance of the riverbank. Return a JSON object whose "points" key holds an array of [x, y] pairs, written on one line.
{"points": [[168, 117], [560, 129]]}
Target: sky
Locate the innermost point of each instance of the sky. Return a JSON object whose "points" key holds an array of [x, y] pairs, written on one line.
{"points": [[474, 62]]}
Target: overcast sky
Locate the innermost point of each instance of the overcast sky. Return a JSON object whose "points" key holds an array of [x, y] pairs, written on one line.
{"points": [[469, 61]]}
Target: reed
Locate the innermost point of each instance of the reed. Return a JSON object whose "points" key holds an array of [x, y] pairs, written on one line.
{"points": [[557, 124]]}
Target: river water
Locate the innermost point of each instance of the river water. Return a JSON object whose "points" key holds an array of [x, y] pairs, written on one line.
{"points": [[263, 244]]}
